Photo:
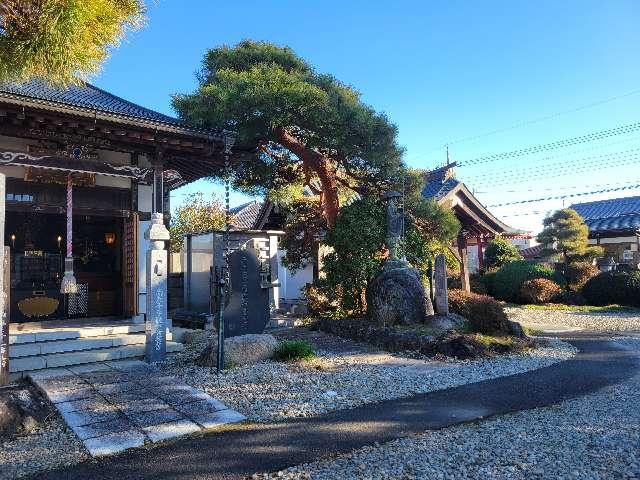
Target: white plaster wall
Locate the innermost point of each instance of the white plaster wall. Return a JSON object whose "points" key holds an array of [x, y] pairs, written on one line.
{"points": [[291, 284]]}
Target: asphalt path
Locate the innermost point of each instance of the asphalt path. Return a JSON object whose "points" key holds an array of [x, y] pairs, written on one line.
{"points": [[248, 449]]}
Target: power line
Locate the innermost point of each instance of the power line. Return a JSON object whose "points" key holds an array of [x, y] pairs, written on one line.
{"points": [[571, 195], [554, 145], [585, 167], [526, 123], [567, 187]]}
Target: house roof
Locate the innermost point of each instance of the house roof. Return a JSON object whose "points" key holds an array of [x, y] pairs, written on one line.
{"points": [[443, 187], [611, 214], [532, 252], [88, 99], [251, 215]]}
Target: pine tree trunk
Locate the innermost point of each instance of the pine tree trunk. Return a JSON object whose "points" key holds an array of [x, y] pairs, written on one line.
{"points": [[321, 165]]}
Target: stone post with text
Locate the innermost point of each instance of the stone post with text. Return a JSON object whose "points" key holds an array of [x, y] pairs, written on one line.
{"points": [[442, 293]]}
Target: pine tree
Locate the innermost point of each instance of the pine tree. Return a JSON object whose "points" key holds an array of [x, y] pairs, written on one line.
{"points": [[566, 237]]}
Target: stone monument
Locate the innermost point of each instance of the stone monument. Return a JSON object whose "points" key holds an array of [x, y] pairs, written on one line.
{"points": [[397, 295], [156, 323], [442, 294], [247, 310]]}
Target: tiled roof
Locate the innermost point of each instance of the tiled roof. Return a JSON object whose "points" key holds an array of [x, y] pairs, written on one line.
{"points": [[246, 216], [611, 214], [440, 182], [85, 96], [532, 252]]}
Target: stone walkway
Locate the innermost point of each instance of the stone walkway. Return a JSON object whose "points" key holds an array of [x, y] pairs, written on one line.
{"points": [[113, 406]]}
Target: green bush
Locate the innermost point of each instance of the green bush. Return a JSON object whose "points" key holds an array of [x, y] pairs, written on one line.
{"points": [[577, 274], [610, 288], [484, 314], [507, 282], [292, 350], [499, 252], [539, 291]]}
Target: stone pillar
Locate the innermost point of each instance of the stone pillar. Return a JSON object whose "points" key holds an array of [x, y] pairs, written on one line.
{"points": [[274, 291], [4, 294], [464, 263], [442, 294], [156, 316]]}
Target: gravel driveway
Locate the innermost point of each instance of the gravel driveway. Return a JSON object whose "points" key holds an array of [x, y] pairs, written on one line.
{"points": [[593, 437], [600, 321], [345, 375]]}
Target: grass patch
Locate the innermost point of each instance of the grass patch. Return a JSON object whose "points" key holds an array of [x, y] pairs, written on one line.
{"points": [[577, 308], [528, 331], [293, 350], [491, 341]]}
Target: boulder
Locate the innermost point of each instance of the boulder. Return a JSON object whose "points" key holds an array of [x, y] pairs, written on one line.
{"points": [[397, 296], [452, 321], [240, 350], [10, 417]]}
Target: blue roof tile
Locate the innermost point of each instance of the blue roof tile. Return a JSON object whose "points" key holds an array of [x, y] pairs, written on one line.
{"points": [[86, 96], [611, 214]]}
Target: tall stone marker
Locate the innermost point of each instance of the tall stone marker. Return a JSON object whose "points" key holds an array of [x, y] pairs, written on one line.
{"points": [[442, 294], [248, 307], [156, 323], [4, 294]]}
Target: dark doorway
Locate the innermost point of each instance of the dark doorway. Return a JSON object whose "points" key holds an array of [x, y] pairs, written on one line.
{"points": [[37, 242]]}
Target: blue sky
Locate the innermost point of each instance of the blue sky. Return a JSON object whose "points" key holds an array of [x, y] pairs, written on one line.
{"points": [[443, 71]]}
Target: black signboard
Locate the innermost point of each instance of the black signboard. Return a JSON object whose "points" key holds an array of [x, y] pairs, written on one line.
{"points": [[247, 309]]}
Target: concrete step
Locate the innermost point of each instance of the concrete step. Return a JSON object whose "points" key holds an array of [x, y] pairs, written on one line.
{"points": [[23, 365], [29, 349], [72, 333], [281, 322]]}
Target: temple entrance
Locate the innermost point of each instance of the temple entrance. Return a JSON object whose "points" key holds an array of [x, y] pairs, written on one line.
{"points": [[37, 242]]}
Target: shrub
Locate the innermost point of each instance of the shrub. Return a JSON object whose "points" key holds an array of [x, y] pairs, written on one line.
{"points": [[578, 273], [484, 314], [539, 290], [292, 350], [488, 280], [317, 300], [499, 252], [609, 288], [507, 282]]}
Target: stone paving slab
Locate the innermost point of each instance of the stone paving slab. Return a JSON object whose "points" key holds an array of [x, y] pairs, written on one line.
{"points": [[117, 405]]}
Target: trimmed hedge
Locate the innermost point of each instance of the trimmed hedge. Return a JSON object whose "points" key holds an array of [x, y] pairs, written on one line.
{"points": [[610, 288], [578, 274], [484, 314], [540, 290], [507, 282]]}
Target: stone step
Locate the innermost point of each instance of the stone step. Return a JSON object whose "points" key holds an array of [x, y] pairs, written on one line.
{"points": [[72, 333], [20, 366], [28, 349], [281, 323]]}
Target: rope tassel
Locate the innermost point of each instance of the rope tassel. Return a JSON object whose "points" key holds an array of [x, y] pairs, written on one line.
{"points": [[68, 284]]}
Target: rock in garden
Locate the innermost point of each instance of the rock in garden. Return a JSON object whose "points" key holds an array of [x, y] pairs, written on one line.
{"points": [[10, 418], [397, 296], [240, 350]]}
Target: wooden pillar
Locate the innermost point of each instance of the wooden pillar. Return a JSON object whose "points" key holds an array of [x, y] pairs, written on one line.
{"points": [[464, 263]]}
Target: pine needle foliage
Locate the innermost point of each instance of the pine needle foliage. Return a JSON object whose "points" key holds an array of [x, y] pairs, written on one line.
{"points": [[566, 237], [62, 41]]}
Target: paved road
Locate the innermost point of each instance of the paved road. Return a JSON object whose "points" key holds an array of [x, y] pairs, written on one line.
{"points": [[261, 448]]}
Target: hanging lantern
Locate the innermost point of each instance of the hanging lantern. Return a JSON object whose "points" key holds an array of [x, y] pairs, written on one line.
{"points": [[110, 238], [68, 283]]}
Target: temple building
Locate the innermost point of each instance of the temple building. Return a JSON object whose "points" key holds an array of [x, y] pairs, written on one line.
{"points": [[111, 163], [614, 224], [479, 225]]}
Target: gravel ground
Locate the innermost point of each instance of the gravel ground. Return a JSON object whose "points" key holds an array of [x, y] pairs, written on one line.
{"points": [[593, 437], [271, 391], [602, 321], [52, 445]]}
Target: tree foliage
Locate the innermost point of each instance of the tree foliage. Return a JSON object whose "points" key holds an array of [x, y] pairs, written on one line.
{"points": [[306, 128], [358, 243], [499, 252], [196, 214], [62, 41], [565, 235]]}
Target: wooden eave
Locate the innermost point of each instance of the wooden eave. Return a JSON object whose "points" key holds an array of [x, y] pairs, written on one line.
{"points": [[192, 153], [474, 216]]}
